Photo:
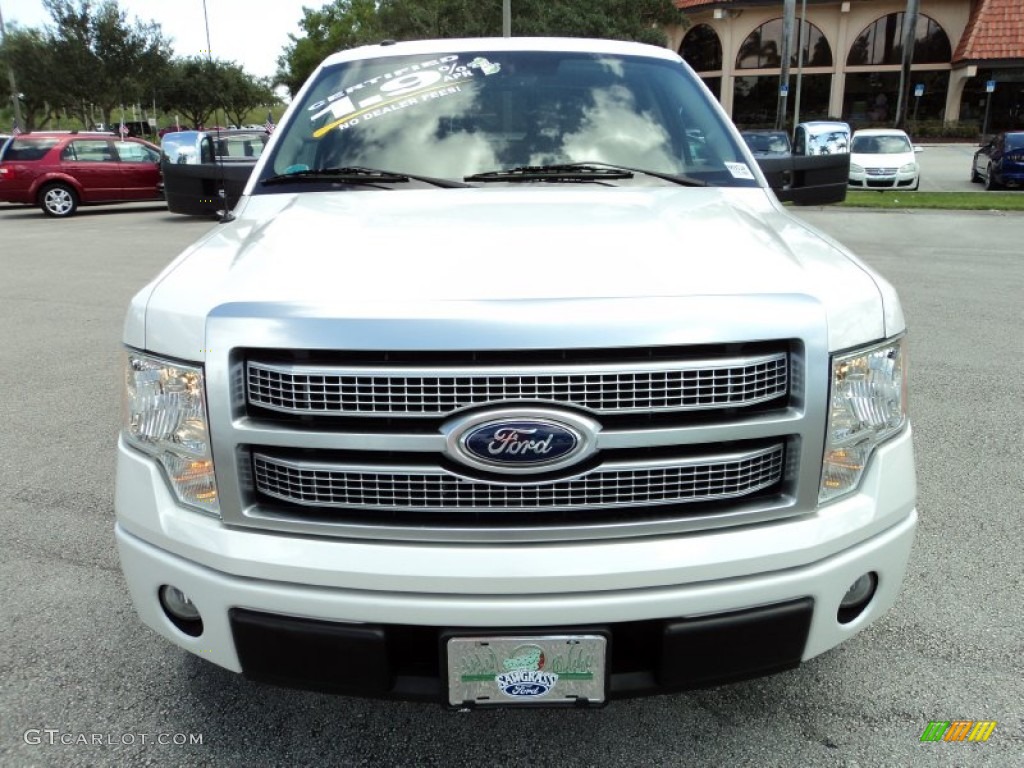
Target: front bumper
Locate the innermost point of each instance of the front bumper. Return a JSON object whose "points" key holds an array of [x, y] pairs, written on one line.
{"points": [[680, 612], [891, 181], [265, 631]]}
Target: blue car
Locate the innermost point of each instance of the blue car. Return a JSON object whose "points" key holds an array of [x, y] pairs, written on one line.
{"points": [[1000, 163]]}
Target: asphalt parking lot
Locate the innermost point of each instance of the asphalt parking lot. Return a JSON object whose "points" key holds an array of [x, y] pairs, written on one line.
{"points": [[947, 168], [80, 668]]}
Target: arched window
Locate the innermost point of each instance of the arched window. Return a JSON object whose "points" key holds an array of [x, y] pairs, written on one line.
{"points": [[882, 43], [763, 47], [702, 49]]}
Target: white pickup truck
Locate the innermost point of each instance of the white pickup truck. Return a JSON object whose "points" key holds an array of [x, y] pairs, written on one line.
{"points": [[510, 381]]}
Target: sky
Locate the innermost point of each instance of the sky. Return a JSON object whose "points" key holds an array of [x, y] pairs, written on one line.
{"points": [[252, 33]]}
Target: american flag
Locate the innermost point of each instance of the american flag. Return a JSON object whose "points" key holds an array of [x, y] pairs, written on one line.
{"points": [[123, 130], [269, 125], [15, 131]]}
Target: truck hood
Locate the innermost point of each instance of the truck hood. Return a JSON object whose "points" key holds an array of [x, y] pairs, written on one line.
{"points": [[412, 253]]}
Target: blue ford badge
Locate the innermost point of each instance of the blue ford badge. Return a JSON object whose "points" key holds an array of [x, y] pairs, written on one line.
{"points": [[520, 442]]}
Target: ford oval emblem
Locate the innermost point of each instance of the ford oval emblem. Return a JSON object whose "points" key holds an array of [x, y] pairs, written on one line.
{"points": [[521, 440]]}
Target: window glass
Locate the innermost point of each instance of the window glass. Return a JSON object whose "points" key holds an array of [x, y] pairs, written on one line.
{"points": [[882, 43], [465, 113], [763, 47], [28, 149], [756, 99], [130, 152], [88, 151], [241, 147], [702, 49], [880, 145], [871, 97]]}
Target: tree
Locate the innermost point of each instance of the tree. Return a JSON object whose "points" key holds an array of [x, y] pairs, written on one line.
{"points": [[28, 54], [618, 19], [640, 20], [431, 19], [339, 25], [196, 87], [193, 89], [346, 23], [242, 93], [104, 59]]}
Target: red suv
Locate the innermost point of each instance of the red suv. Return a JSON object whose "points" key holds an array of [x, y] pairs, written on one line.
{"points": [[60, 171]]}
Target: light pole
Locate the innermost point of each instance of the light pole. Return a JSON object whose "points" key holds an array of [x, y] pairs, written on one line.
{"points": [[15, 100], [788, 12], [206, 20], [506, 18], [909, 36], [799, 62]]}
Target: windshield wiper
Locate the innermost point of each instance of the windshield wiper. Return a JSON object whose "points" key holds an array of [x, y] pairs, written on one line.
{"points": [[354, 174], [563, 172], [589, 171]]}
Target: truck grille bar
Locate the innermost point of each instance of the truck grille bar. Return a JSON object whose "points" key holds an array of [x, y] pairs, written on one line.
{"points": [[626, 483], [602, 389]]}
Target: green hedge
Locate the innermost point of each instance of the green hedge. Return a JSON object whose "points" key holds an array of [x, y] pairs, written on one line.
{"points": [[937, 129]]}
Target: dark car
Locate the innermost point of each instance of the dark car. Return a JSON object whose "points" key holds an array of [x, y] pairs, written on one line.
{"points": [[1000, 162], [60, 171], [206, 171]]}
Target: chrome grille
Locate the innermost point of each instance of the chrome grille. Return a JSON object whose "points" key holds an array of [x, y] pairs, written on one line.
{"points": [[634, 483], [605, 389], [881, 171]]}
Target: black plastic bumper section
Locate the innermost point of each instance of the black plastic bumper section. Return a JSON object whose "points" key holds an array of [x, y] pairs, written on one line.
{"points": [[407, 662]]}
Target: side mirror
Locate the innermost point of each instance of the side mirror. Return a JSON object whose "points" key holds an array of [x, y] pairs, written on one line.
{"points": [[808, 179], [918, 149]]}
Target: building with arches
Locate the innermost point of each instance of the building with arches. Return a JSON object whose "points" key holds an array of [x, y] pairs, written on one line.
{"points": [[850, 60]]}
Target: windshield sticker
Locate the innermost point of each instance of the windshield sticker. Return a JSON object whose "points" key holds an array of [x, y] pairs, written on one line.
{"points": [[396, 90], [739, 170]]}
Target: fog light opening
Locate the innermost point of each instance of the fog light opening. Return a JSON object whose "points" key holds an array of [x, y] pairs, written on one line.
{"points": [[180, 609], [857, 597]]}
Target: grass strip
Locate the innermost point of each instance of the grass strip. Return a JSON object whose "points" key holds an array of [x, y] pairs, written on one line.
{"points": [[951, 201]]}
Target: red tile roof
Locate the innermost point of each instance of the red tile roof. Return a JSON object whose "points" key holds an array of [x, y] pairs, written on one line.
{"points": [[994, 31]]}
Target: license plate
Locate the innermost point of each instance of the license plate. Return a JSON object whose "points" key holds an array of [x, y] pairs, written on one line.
{"points": [[548, 670]]}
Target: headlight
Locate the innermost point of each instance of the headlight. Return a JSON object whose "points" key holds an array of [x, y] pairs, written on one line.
{"points": [[908, 168], [164, 416], [868, 404], [854, 168]]}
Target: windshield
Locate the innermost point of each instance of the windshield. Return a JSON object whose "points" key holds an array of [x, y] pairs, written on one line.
{"points": [[463, 114], [881, 145]]}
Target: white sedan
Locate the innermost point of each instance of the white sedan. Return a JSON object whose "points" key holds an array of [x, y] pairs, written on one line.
{"points": [[883, 158]]}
